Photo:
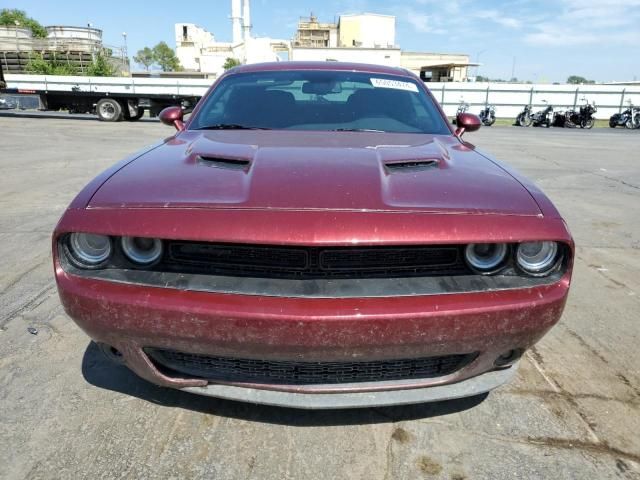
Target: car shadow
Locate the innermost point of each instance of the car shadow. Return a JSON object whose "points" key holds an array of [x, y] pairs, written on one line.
{"points": [[102, 373]]}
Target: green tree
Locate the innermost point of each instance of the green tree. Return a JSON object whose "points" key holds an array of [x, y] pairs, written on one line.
{"points": [[9, 16], [166, 58], [576, 80], [100, 66], [229, 63], [41, 66], [145, 57]]}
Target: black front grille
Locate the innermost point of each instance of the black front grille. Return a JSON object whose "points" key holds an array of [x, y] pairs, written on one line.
{"points": [[311, 262], [244, 370]]}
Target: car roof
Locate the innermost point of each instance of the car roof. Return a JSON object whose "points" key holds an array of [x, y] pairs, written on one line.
{"points": [[322, 66]]}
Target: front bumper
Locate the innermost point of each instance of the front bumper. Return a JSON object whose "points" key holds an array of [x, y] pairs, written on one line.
{"points": [[131, 318]]}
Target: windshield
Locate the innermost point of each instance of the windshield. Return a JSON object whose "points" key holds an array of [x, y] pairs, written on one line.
{"points": [[320, 100]]}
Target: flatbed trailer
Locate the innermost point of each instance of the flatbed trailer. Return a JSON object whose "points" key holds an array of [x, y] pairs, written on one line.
{"points": [[112, 99]]}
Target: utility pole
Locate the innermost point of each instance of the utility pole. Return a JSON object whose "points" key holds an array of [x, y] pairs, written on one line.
{"points": [[125, 53], [513, 68], [478, 61], [16, 30], [93, 44]]}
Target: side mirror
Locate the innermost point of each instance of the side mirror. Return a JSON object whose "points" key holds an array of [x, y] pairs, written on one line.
{"points": [[467, 122], [173, 116]]}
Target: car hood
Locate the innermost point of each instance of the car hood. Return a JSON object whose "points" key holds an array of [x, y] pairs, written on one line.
{"points": [[361, 171]]}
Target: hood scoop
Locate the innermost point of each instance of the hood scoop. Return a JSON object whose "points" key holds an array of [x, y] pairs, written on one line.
{"points": [[222, 162], [411, 165]]}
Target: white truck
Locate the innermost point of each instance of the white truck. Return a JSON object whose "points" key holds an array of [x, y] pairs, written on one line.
{"points": [[112, 99]]}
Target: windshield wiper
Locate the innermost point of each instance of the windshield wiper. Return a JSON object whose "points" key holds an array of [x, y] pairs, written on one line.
{"points": [[230, 126], [357, 130]]}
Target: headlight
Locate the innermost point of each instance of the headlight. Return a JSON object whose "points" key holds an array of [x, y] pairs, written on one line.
{"points": [[143, 251], [485, 257], [537, 258], [88, 249]]}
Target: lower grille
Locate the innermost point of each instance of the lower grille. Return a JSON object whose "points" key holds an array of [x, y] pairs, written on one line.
{"points": [[243, 370]]}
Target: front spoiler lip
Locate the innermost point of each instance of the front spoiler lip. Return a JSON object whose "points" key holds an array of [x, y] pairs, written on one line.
{"points": [[477, 385]]}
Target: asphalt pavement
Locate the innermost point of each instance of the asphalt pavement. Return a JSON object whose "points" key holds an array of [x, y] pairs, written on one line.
{"points": [[572, 412]]}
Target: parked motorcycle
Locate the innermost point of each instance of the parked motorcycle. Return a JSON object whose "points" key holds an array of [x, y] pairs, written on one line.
{"points": [[488, 115], [525, 118], [544, 117], [561, 118], [630, 118], [462, 108], [583, 117]]}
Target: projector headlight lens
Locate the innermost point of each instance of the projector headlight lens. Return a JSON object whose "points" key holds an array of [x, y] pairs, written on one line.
{"points": [[485, 257], [537, 258], [143, 251], [88, 249]]}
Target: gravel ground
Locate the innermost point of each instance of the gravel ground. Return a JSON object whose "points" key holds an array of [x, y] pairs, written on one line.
{"points": [[572, 412]]}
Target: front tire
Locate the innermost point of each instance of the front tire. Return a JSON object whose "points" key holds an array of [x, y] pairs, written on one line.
{"points": [[588, 123], [109, 110], [524, 120]]}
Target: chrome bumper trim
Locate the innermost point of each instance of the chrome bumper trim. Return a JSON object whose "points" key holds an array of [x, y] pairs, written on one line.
{"points": [[466, 388]]}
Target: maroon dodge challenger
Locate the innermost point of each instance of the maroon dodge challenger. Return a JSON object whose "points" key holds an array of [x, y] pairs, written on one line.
{"points": [[315, 235]]}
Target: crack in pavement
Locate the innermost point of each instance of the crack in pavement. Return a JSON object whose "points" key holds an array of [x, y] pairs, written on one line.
{"points": [[34, 302], [536, 359]]}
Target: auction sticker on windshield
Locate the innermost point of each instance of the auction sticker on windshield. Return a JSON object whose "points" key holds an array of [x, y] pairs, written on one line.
{"points": [[395, 84]]}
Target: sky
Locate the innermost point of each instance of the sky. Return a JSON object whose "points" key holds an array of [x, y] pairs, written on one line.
{"points": [[547, 40]]}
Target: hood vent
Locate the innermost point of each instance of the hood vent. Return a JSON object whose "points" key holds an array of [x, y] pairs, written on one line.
{"points": [[228, 163], [411, 165]]}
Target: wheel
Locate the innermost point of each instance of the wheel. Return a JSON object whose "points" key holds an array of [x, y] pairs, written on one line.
{"points": [[588, 123], [524, 120], [491, 120], [636, 120], [613, 123], [109, 110], [139, 114]]}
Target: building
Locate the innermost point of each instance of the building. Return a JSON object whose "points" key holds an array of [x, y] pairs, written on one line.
{"points": [[437, 67], [199, 51], [367, 30], [76, 46], [388, 56], [371, 38], [313, 34], [366, 38]]}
